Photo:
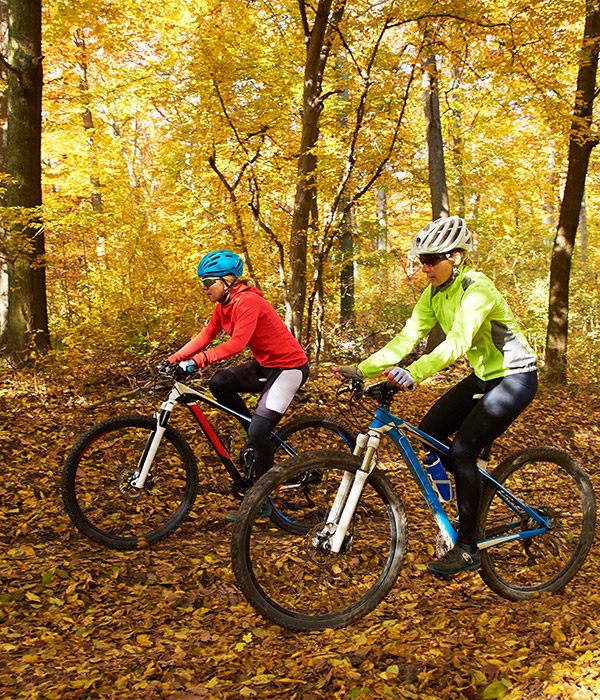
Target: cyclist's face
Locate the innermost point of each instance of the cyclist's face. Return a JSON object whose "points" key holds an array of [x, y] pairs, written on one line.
{"points": [[439, 272], [215, 291]]}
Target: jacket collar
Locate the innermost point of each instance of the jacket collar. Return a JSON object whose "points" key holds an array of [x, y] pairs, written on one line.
{"points": [[232, 292], [457, 274]]}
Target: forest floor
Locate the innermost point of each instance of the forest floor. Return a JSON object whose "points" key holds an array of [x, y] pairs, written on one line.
{"points": [[80, 621]]}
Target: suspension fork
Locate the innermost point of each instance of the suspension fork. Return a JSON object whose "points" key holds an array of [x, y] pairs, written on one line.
{"points": [[351, 488], [346, 483], [153, 442]]}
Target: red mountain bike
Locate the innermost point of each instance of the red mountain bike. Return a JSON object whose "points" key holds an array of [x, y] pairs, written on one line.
{"points": [[131, 480]]}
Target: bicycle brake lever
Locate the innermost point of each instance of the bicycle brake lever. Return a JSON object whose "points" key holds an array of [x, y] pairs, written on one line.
{"points": [[166, 369]]}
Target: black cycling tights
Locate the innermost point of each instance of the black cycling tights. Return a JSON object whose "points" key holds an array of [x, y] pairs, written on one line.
{"points": [[477, 421], [226, 386]]}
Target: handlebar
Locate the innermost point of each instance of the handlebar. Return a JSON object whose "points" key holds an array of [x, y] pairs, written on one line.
{"points": [[381, 392], [364, 400], [173, 372], [166, 370]]}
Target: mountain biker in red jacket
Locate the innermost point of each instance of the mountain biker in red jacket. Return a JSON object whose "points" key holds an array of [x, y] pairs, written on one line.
{"points": [[279, 367]]}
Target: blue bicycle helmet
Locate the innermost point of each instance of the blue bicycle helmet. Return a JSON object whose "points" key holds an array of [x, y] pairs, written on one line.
{"points": [[219, 263]]}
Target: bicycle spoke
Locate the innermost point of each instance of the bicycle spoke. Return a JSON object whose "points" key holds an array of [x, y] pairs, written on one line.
{"points": [[98, 484], [293, 503]]}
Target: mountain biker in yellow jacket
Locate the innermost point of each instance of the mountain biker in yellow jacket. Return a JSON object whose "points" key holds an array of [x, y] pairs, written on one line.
{"points": [[477, 322]]}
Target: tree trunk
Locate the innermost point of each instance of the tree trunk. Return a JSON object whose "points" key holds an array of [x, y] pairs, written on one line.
{"points": [[435, 143], [88, 119], [4, 282], [304, 218], [318, 310], [27, 316], [382, 219], [347, 271], [583, 237], [458, 145], [435, 148], [551, 197], [346, 233], [581, 143]]}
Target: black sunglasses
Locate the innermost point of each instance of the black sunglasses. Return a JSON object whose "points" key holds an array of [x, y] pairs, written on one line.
{"points": [[432, 259], [209, 281]]}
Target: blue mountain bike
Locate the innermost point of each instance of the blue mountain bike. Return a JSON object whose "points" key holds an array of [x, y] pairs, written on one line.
{"points": [[536, 525]]}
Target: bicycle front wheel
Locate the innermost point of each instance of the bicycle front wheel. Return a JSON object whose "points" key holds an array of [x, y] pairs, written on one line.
{"points": [[554, 485], [292, 578], [97, 485]]}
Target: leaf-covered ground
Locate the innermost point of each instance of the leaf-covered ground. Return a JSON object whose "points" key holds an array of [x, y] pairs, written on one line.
{"points": [[79, 621]]}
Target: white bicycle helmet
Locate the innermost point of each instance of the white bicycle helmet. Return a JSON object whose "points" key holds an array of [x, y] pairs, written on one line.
{"points": [[442, 236]]}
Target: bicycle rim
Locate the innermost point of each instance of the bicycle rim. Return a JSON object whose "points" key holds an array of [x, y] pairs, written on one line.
{"points": [[289, 577], [555, 485], [98, 493]]}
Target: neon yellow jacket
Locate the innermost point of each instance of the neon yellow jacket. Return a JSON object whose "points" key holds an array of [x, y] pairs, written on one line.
{"points": [[476, 320]]}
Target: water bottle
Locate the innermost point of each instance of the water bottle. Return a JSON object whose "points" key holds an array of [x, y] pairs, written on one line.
{"points": [[439, 479]]}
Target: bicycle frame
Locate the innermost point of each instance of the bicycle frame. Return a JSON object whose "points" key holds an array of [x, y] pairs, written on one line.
{"points": [[182, 393], [351, 487]]}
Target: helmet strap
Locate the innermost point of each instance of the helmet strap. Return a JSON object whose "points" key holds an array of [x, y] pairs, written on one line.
{"points": [[450, 280], [226, 298]]}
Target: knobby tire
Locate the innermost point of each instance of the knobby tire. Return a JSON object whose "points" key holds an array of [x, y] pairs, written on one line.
{"points": [[548, 480], [97, 493], [291, 582]]}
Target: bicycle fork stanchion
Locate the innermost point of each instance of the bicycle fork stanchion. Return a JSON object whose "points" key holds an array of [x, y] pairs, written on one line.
{"points": [[344, 507], [152, 445], [347, 479], [342, 493]]}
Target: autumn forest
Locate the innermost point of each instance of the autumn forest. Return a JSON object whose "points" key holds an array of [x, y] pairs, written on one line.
{"points": [[313, 139]]}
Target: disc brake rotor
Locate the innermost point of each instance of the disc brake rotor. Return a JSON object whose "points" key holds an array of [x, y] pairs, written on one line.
{"points": [[318, 544], [126, 487]]}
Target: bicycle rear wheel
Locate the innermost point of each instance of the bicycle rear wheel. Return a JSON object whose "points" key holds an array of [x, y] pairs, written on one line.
{"points": [[312, 432], [556, 486], [98, 494], [300, 435], [292, 578]]}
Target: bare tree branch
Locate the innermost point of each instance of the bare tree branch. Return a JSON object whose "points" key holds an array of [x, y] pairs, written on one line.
{"points": [[11, 69]]}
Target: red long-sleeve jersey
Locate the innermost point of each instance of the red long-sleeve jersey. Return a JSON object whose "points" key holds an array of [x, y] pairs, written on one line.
{"points": [[251, 322]]}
